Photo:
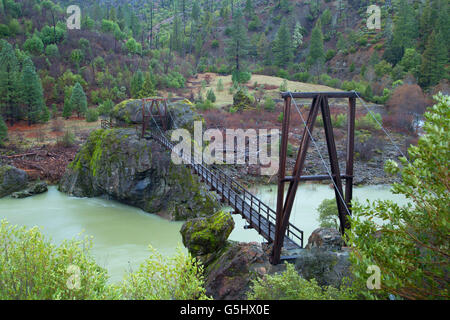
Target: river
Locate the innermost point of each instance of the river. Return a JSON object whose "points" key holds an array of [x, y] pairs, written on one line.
{"points": [[122, 233]]}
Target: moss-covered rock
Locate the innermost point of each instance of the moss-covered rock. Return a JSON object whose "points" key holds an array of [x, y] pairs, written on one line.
{"points": [[33, 189], [138, 172], [182, 114], [229, 277], [11, 180], [203, 236]]}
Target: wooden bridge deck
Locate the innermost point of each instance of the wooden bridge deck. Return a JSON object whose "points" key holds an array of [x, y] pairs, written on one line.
{"points": [[258, 215]]}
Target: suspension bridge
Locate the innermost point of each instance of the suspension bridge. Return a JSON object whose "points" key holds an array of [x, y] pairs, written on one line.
{"points": [[274, 225]]}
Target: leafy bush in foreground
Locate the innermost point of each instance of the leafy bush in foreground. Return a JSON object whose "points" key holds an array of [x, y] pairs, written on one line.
{"points": [[33, 268], [289, 285], [158, 278], [411, 245]]}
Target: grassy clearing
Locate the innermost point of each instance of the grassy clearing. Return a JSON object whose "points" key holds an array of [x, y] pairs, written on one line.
{"points": [[225, 98]]}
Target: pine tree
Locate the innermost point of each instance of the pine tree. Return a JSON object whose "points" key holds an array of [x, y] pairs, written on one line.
{"points": [[237, 46], [404, 35], [9, 82], [3, 131], [78, 101], [248, 10], [67, 110], [137, 83], [434, 59], [282, 47], [263, 49], [32, 95], [195, 11], [297, 37], [316, 47], [148, 88], [211, 96], [45, 114]]}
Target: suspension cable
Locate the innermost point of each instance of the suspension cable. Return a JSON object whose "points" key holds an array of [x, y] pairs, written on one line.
{"points": [[162, 133], [320, 154], [381, 125]]}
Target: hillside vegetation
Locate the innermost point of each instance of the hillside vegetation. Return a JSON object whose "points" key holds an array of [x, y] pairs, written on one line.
{"points": [[139, 48]]}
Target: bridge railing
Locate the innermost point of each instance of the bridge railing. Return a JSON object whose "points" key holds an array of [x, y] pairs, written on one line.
{"points": [[218, 179]]}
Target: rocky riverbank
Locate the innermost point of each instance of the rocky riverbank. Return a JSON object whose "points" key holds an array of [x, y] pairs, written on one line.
{"points": [[230, 267], [120, 164], [15, 182], [366, 172]]}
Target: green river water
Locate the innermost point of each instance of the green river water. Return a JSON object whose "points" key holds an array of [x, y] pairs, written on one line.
{"points": [[122, 233]]}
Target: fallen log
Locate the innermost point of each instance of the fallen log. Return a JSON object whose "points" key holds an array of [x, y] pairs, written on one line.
{"points": [[21, 155]]}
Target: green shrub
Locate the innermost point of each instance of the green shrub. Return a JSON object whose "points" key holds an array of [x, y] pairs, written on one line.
{"points": [[106, 107], [368, 122], [324, 78], [409, 243], [3, 131], [330, 54], [4, 31], [52, 50], [269, 104], [383, 68], [241, 76], [220, 87], [289, 285], [284, 86], [328, 214], [68, 140], [177, 278], [211, 96], [280, 117], [31, 267], [214, 44], [204, 105], [302, 76], [282, 74], [34, 45], [91, 115], [339, 120], [290, 150]]}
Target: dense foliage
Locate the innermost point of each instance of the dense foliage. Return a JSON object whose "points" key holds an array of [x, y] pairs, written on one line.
{"points": [[410, 244], [33, 268], [134, 49], [289, 285]]}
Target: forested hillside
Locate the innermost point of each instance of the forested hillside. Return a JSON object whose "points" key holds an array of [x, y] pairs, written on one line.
{"points": [[141, 48]]}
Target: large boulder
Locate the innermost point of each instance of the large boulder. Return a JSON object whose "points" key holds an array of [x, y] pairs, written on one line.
{"points": [[182, 114], [230, 276], [324, 258], [138, 172], [206, 236], [325, 239], [11, 180], [31, 190]]}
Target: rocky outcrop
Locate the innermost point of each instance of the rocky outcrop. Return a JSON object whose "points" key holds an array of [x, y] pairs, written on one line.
{"points": [[11, 180], [33, 189], [204, 237], [182, 114], [325, 258], [325, 239], [138, 172], [230, 276]]}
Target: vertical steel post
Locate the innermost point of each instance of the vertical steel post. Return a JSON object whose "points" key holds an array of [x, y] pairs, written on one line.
{"points": [[351, 115], [281, 175]]}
